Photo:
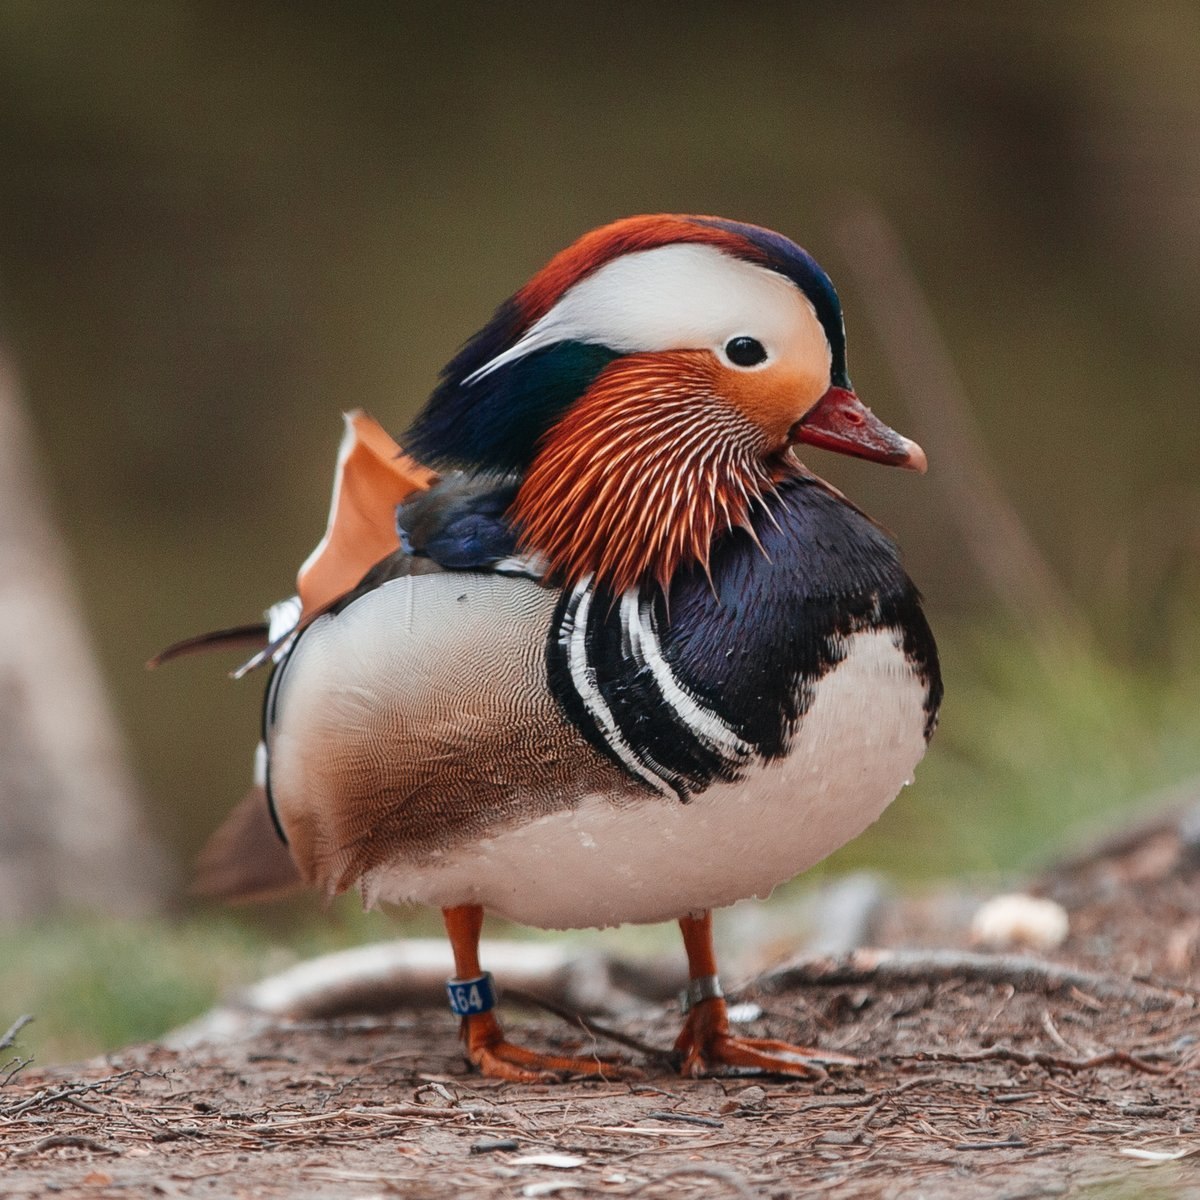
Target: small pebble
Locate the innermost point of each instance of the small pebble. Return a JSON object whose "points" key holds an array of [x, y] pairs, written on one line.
{"points": [[1020, 920]]}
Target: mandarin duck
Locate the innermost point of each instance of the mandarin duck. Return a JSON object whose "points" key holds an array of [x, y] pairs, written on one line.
{"points": [[596, 647]]}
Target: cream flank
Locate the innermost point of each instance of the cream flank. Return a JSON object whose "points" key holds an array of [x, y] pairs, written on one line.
{"points": [[606, 864]]}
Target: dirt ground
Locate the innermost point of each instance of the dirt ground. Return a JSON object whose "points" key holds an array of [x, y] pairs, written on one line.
{"points": [[1003, 1075]]}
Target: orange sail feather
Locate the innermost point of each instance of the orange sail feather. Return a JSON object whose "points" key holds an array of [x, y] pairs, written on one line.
{"points": [[373, 475]]}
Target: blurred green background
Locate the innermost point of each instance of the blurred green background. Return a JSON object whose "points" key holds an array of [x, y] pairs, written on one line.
{"points": [[223, 224]]}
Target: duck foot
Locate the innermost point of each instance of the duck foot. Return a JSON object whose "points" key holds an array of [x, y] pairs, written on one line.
{"points": [[705, 1046], [705, 1042], [486, 1047], [493, 1055]]}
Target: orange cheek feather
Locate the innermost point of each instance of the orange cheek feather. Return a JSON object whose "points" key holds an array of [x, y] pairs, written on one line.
{"points": [[773, 399], [645, 470]]}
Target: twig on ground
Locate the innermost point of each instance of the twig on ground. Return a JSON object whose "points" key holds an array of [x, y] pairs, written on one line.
{"points": [[687, 1119], [376, 1115], [1057, 1038], [890, 968], [47, 1097], [74, 1140], [1109, 1058], [865, 1123], [13, 1068], [830, 1101], [1013, 1143], [15, 1028], [593, 1027]]}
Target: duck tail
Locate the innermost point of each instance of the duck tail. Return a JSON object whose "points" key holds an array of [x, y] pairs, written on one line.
{"points": [[245, 861]]}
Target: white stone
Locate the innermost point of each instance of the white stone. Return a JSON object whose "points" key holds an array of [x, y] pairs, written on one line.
{"points": [[1020, 920]]}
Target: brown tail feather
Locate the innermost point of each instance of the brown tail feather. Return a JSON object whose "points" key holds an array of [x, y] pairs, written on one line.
{"points": [[219, 639], [244, 861]]}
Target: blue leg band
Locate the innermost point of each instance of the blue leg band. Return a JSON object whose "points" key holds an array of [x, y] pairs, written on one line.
{"points": [[471, 996]]}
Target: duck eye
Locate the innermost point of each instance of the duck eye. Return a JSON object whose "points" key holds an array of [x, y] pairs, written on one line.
{"points": [[745, 351]]}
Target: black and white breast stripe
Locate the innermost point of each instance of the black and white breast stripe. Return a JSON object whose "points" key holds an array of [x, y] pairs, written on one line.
{"points": [[683, 690], [608, 671]]}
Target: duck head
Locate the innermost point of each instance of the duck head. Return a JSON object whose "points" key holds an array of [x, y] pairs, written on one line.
{"points": [[649, 385]]}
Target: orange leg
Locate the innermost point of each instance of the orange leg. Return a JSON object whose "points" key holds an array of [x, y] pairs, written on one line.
{"points": [[705, 1042], [486, 1047]]}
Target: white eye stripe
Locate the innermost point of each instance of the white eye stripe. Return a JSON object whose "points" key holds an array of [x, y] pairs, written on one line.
{"points": [[678, 297]]}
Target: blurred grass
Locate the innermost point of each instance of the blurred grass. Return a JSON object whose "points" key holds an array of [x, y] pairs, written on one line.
{"points": [[94, 984], [1034, 743]]}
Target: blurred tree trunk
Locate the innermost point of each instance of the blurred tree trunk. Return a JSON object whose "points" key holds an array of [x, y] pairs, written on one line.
{"points": [[71, 832]]}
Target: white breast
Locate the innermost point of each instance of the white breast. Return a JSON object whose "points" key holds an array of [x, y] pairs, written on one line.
{"points": [[655, 859]]}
